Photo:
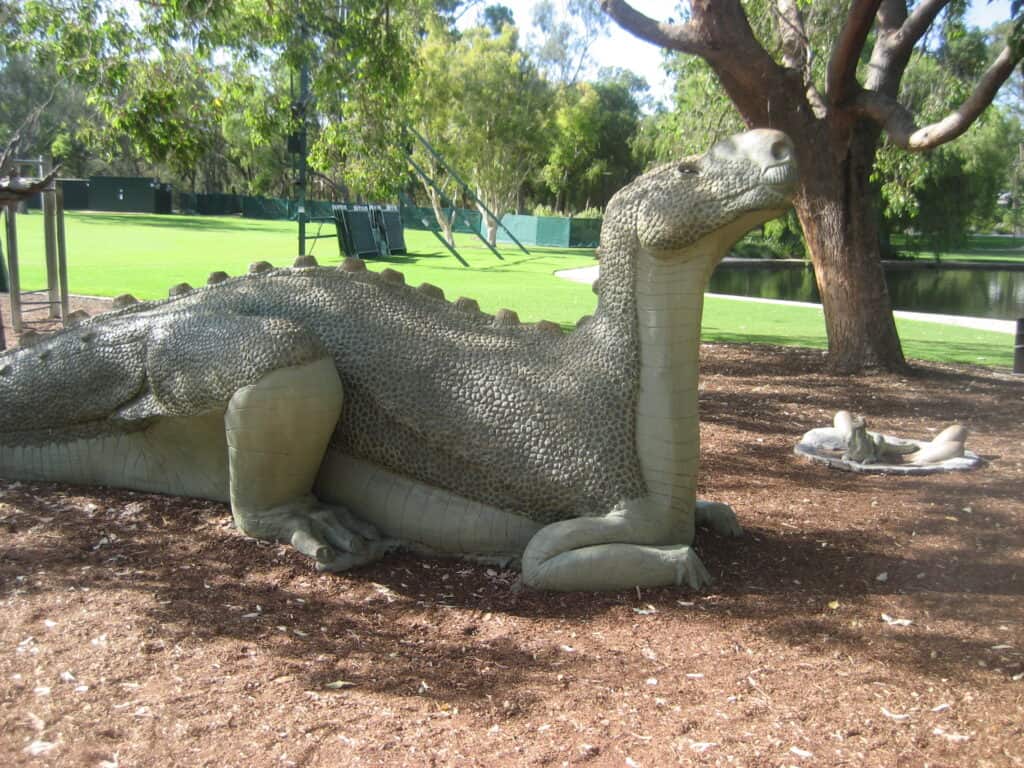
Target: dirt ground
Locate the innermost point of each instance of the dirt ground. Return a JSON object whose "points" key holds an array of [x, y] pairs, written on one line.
{"points": [[862, 620]]}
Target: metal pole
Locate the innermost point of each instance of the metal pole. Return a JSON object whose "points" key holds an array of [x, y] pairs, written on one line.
{"points": [[3, 336], [62, 254], [12, 269], [303, 168], [445, 201], [465, 186], [1018, 348]]}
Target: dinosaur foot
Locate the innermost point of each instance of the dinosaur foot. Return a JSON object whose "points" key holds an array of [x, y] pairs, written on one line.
{"points": [[718, 517], [335, 538]]}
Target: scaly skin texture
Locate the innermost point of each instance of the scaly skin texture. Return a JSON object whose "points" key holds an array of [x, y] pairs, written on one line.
{"points": [[438, 427]]}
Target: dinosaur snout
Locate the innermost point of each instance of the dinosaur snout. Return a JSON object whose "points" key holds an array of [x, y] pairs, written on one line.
{"points": [[775, 153]]}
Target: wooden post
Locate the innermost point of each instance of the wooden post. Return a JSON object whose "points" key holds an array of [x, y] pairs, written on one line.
{"points": [[1018, 348], [12, 269], [50, 243], [3, 336], [62, 253]]}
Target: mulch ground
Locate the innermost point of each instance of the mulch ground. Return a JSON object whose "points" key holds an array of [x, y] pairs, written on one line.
{"points": [[862, 620]]}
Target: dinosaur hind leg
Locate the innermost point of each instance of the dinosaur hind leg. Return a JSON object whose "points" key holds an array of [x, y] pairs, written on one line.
{"points": [[278, 430]]}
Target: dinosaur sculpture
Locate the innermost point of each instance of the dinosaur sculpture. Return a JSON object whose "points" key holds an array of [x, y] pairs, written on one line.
{"points": [[346, 413]]}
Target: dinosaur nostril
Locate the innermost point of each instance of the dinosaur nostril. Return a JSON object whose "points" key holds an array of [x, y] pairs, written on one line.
{"points": [[780, 150]]}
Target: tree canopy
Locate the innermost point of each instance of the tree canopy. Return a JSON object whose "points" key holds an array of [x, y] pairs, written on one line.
{"points": [[829, 74]]}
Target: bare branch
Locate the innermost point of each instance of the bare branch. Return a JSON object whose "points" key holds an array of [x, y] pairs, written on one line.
{"points": [[795, 45], [678, 37], [797, 53], [842, 67], [899, 124], [916, 25]]}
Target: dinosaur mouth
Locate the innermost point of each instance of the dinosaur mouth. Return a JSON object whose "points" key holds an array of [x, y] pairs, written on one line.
{"points": [[779, 175]]}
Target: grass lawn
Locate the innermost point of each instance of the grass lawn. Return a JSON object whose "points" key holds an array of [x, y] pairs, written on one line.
{"points": [[142, 254], [979, 248]]}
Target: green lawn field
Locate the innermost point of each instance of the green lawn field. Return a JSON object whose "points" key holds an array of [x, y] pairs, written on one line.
{"points": [[143, 254], [979, 248]]}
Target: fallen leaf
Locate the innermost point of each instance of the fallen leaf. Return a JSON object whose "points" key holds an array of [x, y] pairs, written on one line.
{"points": [[894, 715], [948, 735], [339, 684], [834, 604], [37, 748]]}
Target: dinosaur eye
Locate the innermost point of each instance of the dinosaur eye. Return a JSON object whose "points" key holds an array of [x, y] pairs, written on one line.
{"points": [[688, 169]]}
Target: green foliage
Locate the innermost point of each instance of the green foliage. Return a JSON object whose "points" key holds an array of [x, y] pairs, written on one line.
{"points": [[563, 51], [497, 16], [702, 114], [481, 103], [944, 194], [156, 83], [590, 155]]}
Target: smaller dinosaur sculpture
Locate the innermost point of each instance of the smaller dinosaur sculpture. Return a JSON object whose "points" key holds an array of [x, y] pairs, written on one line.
{"points": [[849, 445]]}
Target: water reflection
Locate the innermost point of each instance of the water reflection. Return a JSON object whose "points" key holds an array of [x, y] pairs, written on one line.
{"points": [[973, 292]]}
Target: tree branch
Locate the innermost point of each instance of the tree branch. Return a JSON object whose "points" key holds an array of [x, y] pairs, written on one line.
{"points": [[899, 124], [797, 53], [915, 27], [841, 84], [678, 37]]}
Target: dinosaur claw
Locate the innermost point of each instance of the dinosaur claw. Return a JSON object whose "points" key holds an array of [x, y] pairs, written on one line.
{"points": [[309, 545]]}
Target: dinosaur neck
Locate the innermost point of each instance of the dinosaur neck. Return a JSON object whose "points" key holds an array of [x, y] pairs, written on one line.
{"points": [[669, 302]]}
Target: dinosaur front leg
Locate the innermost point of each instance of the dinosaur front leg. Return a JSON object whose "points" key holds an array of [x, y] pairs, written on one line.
{"points": [[624, 549], [277, 431]]}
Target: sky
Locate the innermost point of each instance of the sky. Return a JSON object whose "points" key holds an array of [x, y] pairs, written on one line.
{"points": [[620, 49]]}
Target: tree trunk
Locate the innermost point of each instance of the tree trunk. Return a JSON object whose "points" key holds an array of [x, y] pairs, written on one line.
{"points": [[836, 209], [492, 230], [443, 220]]}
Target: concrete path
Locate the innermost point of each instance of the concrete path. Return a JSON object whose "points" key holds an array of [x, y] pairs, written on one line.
{"points": [[589, 275]]}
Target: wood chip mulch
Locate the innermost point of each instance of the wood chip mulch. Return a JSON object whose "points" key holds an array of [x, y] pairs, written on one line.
{"points": [[861, 621]]}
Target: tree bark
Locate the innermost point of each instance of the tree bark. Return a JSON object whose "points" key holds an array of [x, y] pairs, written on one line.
{"points": [[443, 220], [489, 221], [844, 247], [835, 205]]}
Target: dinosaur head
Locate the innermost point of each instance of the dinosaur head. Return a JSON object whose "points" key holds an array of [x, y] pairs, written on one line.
{"points": [[738, 184]]}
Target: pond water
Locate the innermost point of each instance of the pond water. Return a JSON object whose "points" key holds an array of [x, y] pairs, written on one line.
{"points": [[995, 293]]}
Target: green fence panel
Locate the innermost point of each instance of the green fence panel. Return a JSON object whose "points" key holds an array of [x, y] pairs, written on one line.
{"points": [[186, 202], [126, 194], [553, 231], [264, 208], [393, 233], [319, 209], [76, 194], [468, 221], [523, 227], [584, 233], [218, 204], [163, 199]]}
